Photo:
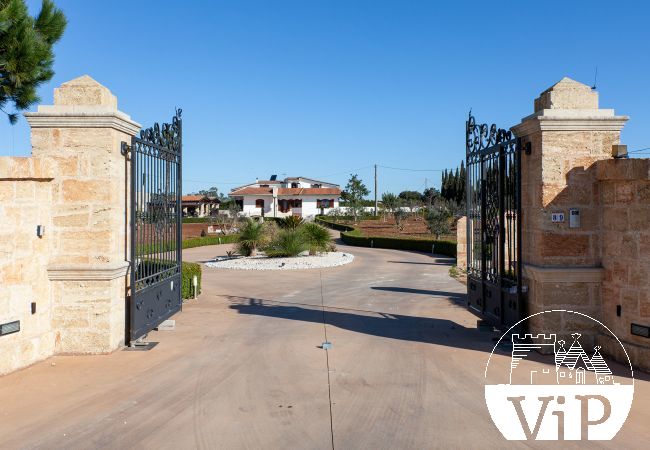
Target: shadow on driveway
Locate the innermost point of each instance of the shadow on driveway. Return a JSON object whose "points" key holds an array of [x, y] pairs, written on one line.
{"points": [[392, 326], [456, 297]]}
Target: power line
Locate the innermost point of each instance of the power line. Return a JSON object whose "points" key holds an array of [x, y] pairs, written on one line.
{"points": [[639, 150], [342, 172], [412, 170], [215, 182]]}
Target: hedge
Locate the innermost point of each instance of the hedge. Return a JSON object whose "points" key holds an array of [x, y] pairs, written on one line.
{"points": [[187, 274], [188, 270], [346, 217], [353, 236], [195, 219], [210, 240]]}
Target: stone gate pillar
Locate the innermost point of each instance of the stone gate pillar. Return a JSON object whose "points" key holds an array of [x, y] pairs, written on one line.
{"points": [[568, 133], [79, 137]]}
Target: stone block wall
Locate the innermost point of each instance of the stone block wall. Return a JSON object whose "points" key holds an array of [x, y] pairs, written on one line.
{"points": [[624, 194], [76, 185], [25, 197]]}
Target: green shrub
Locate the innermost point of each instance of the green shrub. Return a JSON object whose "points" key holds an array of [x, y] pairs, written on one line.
{"points": [[346, 218], [353, 236], [188, 271], [291, 222], [287, 243], [210, 240], [317, 237], [252, 236]]}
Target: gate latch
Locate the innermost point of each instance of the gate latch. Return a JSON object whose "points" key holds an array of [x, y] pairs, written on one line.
{"points": [[125, 149]]}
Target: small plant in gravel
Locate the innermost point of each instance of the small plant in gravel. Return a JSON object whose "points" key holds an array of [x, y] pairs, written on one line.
{"points": [[288, 243], [251, 238], [317, 238], [292, 222]]}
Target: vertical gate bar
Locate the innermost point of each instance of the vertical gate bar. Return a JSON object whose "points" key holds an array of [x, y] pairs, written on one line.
{"points": [[483, 200], [501, 193], [519, 220], [468, 203], [468, 210], [501, 257], [179, 188], [148, 206], [134, 260]]}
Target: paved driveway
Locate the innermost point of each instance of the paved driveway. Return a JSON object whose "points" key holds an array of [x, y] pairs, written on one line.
{"points": [[243, 369]]}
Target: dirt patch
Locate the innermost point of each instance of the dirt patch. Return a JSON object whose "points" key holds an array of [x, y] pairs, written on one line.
{"points": [[413, 227]]}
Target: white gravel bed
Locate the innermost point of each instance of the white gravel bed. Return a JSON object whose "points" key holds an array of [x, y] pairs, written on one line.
{"points": [[262, 262]]}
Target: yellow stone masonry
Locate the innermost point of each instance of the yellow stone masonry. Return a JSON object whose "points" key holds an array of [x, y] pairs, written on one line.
{"points": [[75, 185]]}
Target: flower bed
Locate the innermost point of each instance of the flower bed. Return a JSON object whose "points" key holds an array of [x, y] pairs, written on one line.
{"points": [[263, 262]]}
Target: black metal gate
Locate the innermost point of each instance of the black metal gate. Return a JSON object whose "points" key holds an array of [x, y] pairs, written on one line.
{"points": [[155, 226], [493, 223]]}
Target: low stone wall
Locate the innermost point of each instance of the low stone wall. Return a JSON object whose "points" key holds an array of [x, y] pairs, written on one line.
{"points": [[624, 193], [25, 199]]}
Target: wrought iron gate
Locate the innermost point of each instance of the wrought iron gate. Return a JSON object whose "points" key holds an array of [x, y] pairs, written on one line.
{"points": [[155, 226], [493, 223]]}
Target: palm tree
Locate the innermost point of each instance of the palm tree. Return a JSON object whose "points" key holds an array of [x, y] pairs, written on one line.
{"points": [[317, 237], [252, 237]]}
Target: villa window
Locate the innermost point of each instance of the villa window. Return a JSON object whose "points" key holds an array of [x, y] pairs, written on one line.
{"points": [[315, 185], [259, 203], [283, 206], [295, 185]]}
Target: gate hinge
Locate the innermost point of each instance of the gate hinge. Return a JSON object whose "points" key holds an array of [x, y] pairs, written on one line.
{"points": [[125, 149]]}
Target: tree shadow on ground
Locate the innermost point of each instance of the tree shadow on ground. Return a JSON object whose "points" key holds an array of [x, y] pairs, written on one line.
{"points": [[419, 263], [455, 297], [426, 330], [392, 326]]}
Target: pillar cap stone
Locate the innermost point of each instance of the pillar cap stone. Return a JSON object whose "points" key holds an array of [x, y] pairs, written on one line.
{"points": [[567, 94], [83, 103], [569, 106], [84, 90]]}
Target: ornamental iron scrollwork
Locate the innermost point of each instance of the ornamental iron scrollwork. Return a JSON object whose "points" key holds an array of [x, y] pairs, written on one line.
{"points": [[482, 136], [493, 202], [167, 136]]}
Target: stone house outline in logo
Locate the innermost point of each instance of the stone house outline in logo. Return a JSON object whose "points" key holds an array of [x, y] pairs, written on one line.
{"points": [[563, 394], [571, 366]]}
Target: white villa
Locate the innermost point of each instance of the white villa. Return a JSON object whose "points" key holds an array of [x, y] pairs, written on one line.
{"points": [[293, 196]]}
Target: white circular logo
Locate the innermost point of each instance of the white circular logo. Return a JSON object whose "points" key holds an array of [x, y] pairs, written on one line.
{"points": [[558, 385]]}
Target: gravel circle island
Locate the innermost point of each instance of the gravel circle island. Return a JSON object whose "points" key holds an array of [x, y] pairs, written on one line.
{"points": [[262, 262]]}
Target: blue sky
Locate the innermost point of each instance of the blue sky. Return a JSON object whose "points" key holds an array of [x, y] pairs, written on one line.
{"points": [[328, 88]]}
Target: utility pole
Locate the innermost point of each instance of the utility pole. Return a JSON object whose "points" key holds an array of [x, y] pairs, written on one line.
{"points": [[375, 190]]}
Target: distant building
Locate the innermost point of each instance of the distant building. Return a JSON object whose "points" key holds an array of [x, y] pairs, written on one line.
{"points": [[293, 196], [199, 205]]}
